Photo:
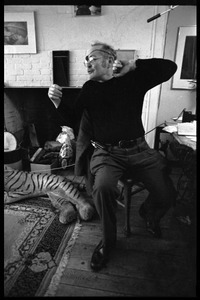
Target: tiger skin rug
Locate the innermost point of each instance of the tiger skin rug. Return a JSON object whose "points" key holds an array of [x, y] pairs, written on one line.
{"points": [[64, 196]]}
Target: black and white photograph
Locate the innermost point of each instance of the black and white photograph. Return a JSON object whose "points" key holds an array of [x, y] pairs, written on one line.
{"points": [[186, 57], [19, 33], [15, 33], [100, 150], [87, 10]]}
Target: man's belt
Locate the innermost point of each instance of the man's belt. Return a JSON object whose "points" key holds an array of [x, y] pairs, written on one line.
{"points": [[123, 144]]}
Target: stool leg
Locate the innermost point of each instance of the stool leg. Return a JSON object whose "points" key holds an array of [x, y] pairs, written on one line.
{"points": [[127, 202]]}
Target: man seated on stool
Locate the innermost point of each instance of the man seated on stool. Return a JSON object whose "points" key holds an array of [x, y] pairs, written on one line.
{"points": [[113, 102]]}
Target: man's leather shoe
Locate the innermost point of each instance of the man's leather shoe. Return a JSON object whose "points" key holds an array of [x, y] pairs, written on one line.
{"points": [[100, 257], [152, 226]]}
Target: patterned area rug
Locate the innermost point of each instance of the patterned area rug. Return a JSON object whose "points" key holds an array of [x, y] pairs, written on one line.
{"points": [[36, 248]]}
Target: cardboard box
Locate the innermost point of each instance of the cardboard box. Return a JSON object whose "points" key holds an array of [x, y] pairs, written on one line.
{"points": [[39, 167], [44, 168]]}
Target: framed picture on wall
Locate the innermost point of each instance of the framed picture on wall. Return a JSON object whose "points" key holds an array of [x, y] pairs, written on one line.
{"points": [[126, 54], [19, 33], [185, 58], [87, 10]]}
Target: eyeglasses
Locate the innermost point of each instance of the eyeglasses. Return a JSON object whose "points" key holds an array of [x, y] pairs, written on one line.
{"points": [[90, 60]]}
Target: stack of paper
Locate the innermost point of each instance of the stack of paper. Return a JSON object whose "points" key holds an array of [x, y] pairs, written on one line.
{"points": [[187, 128], [170, 128], [192, 137]]}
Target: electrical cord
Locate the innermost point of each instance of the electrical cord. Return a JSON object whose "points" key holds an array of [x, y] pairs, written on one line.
{"points": [[154, 128]]}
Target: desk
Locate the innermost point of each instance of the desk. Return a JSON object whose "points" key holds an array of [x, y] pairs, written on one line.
{"points": [[181, 139], [159, 130]]}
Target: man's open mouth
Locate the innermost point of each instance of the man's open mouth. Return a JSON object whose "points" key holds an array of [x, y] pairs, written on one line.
{"points": [[90, 71]]}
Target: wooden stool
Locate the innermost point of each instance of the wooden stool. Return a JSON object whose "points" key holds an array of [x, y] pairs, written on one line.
{"points": [[129, 188]]}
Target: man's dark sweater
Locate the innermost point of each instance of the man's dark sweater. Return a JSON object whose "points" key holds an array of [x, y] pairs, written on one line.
{"points": [[115, 106]]}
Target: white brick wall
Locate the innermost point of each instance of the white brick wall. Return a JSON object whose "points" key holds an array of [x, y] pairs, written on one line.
{"points": [[36, 69], [26, 70]]}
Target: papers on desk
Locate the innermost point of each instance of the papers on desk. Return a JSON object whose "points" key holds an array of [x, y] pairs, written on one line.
{"points": [[187, 128], [192, 138], [170, 128]]}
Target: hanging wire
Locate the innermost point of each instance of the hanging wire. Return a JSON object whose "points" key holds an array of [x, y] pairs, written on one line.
{"points": [[154, 128]]}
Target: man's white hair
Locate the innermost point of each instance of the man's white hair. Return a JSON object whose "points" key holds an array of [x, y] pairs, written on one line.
{"points": [[106, 48]]}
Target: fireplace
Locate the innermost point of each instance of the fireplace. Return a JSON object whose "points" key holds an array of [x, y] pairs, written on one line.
{"points": [[31, 116], [28, 108]]}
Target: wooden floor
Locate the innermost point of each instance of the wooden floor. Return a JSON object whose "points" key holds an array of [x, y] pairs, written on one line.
{"points": [[140, 265]]}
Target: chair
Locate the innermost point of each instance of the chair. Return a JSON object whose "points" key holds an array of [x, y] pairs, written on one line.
{"points": [[129, 187]]}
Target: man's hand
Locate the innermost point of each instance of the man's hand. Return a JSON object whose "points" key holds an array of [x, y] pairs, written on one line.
{"points": [[121, 67], [55, 94]]}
